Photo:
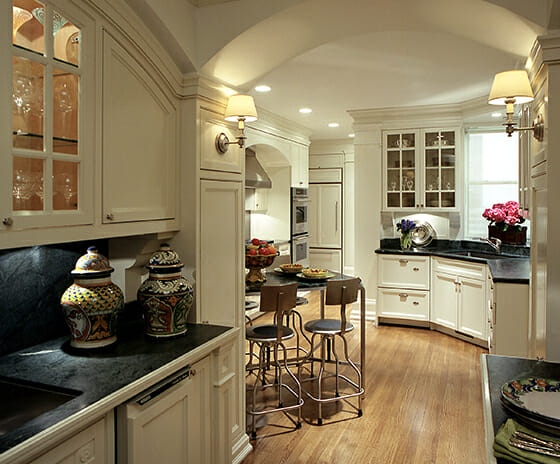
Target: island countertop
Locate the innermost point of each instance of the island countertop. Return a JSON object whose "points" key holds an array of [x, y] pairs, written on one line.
{"points": [[110, 375]]}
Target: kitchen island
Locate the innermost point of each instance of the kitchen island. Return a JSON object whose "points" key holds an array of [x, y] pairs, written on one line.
{"points": [[496, 371], [102, 379]]}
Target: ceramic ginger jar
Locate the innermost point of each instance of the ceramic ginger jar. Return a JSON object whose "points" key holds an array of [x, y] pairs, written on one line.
{"points": [[166, 296], [92, 303]]}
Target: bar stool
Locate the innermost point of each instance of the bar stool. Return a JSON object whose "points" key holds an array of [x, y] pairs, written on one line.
{"points": [[270, 338], [339, 292]]}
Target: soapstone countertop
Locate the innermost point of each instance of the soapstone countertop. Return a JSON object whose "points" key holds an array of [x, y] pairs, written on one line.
{"points": [[113, 374], [513, 265]]}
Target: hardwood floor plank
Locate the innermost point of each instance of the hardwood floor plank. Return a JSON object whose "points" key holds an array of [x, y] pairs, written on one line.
{"points": [[423, 404]]}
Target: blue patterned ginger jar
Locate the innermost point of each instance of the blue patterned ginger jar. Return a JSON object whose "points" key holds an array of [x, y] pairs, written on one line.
{"points": [[92, 303], [166, 295]]}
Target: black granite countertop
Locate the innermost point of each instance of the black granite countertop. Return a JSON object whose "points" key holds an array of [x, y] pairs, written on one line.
{"points": [[502, 369], [512, 265], [95, 373]]}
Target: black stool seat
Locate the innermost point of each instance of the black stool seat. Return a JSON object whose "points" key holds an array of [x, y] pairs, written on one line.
{"points": [[300, 300], [267, 333], [327, 326], [250, 305]]}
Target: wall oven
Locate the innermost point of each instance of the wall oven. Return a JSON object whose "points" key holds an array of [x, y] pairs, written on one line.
{"points": [[299, 211], [300, 249]]}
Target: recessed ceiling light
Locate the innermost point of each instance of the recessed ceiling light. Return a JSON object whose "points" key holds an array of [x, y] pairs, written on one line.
{"points": [[496, 115], [305, 110], [333, 124], [262, 88], [351, 135]]}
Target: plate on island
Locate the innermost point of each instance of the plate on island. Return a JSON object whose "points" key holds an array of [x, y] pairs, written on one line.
{"points": [[534, 397], [304, 277]]}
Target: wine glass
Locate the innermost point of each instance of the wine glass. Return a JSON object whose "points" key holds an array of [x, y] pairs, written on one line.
{"points": [[22, 96], [63, 101]]}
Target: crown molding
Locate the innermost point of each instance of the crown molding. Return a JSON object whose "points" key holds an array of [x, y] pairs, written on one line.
{"points": [[273, 124]]}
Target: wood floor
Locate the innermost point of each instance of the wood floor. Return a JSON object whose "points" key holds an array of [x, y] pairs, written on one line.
{"points": [[423, 404]]}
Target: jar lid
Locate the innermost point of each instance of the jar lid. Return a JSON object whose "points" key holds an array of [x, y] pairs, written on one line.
{"points": [[92, 264], [164, 260]]}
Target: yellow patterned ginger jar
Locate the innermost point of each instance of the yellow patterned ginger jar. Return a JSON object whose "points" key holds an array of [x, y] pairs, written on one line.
{"points": [[92, 303]]}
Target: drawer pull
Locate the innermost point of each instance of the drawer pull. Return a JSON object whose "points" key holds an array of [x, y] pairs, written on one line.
{"points": [[403, 261], [415, 303], [403, 295], [416, 269]]}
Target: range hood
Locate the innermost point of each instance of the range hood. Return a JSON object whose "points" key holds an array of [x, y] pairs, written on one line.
{"points": [[255, 175]]}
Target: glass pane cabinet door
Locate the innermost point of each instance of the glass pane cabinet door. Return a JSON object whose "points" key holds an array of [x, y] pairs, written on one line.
{"points": [[46, 77], [439, 169], [401, 170]]}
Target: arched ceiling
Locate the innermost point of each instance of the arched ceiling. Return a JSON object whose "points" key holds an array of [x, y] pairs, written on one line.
{"points": [[334, 55]]}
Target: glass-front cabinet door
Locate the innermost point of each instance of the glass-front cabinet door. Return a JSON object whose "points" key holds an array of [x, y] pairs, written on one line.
{"points": [[48, 156], [420, 169], [440, 164], [400, 170]]}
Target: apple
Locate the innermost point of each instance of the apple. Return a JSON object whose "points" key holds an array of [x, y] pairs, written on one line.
{"points": [[252, 252], [256, 241], [263, 251]]}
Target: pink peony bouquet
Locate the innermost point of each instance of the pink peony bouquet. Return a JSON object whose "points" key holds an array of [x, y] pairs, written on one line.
{"points": [[505, 215]]}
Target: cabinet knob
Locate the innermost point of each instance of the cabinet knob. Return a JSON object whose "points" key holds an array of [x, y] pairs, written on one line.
{"points": [[7, 221], [109, 216], [192, 372], [416, 269], [403, 295], [403, 261], [415, 303]]}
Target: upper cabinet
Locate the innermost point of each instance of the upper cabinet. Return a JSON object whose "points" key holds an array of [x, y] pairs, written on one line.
{"points": [[300, 165], [47, 138], [89, 127], [139, 140], [421, 169]]}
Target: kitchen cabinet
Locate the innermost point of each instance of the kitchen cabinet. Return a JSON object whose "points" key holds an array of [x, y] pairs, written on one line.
{"points": [[94, 445], [300, 165], [325, 218], [509, 319], [421, 169], [459, 297], [171, 426], [139, 141], [48, 139], [403, 288], [256, 199]]}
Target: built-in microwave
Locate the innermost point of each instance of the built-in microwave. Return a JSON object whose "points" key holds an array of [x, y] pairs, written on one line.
{"points": [[299, 211]]}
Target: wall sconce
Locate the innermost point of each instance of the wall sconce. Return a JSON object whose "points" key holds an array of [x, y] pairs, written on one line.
{"points": [[240, 108], [512, 87]]}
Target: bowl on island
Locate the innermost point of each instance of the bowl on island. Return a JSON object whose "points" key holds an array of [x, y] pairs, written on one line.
{"points": [[315, 273], [291, 268]]}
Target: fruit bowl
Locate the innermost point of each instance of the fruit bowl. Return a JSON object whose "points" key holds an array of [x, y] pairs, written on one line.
{"points": [[315, 273], [291, 268], [255, 264]]}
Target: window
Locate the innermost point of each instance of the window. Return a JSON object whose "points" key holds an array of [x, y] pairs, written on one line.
{"points": [[491, 176]]}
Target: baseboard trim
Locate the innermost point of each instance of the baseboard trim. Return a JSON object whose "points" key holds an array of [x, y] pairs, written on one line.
{"points": [[241, 449]]}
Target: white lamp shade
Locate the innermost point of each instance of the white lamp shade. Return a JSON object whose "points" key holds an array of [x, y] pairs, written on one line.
{"points": [[241, 106], [511, 85]]}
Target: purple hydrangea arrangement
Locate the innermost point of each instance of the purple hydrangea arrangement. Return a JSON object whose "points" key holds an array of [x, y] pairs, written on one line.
{"points": [[405, 227]]}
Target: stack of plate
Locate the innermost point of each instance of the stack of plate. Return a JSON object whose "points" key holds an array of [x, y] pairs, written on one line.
{"points": [[534, 402]]}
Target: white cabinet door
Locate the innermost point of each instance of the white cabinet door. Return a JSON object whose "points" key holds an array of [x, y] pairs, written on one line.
{"points": [[404, 304], [139, 141], [325, 219], [472, 317], [444, 299], [300, 165], [92, 446], [172, 427], [404, 271], [326, 259], [221, 279]]}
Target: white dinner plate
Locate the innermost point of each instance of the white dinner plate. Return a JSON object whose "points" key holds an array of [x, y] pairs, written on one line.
{"points": [[537, 396]]}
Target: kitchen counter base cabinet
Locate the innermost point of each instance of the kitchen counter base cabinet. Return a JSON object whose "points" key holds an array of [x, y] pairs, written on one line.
{"points": [[403, 290], [93, 445], [168, 423], [459, 297], [509, 320]]}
